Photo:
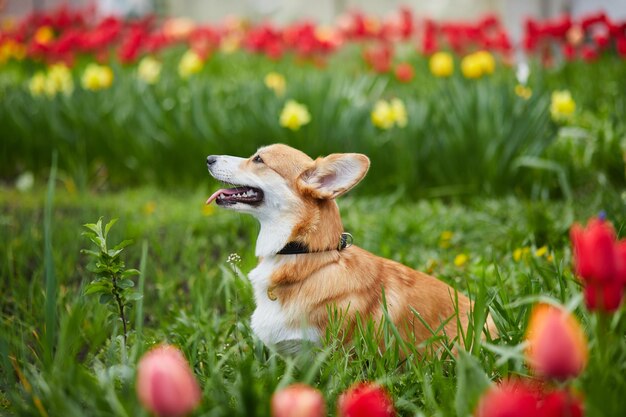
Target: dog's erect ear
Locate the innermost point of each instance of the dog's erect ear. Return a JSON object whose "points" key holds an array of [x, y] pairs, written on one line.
{"points": [[332, 176]]}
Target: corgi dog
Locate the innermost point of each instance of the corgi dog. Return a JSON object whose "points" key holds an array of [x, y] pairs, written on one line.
{"points": [[306, 263]]}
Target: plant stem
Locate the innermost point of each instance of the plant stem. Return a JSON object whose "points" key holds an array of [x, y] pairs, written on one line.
{"points": [[120, 305]]}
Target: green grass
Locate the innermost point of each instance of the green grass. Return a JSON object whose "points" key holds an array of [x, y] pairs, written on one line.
{"points": [[137, 134], [196, 300]]}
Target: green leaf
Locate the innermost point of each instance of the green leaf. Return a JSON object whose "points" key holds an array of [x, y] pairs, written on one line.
{"points": [[114, 252], [105, 298], [108, 226], [97, 240], [134, 296], [122, 244], [98, 287], [90, 252], [130, 272], [126, 283], [92, 226], [471, 383]]}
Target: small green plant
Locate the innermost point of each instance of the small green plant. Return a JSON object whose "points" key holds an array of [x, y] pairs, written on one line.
{"points": [[113, 281]]}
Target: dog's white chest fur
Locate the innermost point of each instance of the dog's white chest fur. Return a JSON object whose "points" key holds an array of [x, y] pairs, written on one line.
{"points": [[270, 321]]}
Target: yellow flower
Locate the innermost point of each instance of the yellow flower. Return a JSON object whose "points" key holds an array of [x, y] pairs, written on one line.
{"points": [[149, 208], [275, 81], [59, 80], [10, 49], [382, 117], [486, 60], [541, 251], [149, 70], [519, 253], [37, 84], [398, 110], [44, 35], [445, 238], [562, 105], [441, 64], [230, 43], [461, 259], [294, 115], [523, 91], [471, 67], [208, 209], [446, 235], [190, 64], [478, 64], [97, 77], [387, 114]]}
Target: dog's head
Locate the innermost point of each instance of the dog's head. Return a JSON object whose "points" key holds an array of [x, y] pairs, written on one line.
{"points": [[287, 190]]}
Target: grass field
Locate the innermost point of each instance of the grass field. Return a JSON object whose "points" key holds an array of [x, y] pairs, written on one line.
{"points": [[196, 299]]}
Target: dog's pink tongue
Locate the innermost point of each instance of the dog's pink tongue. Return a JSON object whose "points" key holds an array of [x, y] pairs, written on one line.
{"points": [[225, 191]]}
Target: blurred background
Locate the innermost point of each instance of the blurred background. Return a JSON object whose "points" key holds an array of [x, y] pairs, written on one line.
{"points": [[511, 12]]}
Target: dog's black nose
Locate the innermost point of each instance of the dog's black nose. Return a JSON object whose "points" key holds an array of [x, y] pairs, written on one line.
{"points": [[211, 159]]}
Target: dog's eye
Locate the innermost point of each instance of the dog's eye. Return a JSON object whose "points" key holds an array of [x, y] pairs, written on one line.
{"points": [[257, 159]]}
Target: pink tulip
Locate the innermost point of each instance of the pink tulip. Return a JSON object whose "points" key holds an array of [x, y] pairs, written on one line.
{"points": [[165, 383], [557, 346], [298, 400]]}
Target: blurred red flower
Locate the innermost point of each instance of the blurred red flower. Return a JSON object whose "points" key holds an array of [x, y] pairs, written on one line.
{"points": [[557, 345], [589, 53], [166, 384], [379, 57], [561, 403], [404, 72], [298, 400], [601, 263], [365, 400], [620, 45], [509, 398]]}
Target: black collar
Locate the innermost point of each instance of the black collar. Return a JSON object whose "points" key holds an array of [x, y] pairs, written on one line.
{"points": [[295, 248]]}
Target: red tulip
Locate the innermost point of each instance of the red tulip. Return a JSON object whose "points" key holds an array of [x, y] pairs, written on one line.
{"points": [[557, 346], [561, 404], [589, 53], [510, 398], [130, 46], [602, 39], [592, 19], [379, 57], [620, 45], [365, 400], [404, 72], [165, 383], [407, 25], [569, 52], [601, 263], [298, 400]]}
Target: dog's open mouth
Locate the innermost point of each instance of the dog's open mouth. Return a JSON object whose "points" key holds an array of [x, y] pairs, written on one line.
{"points": [[229, 196]]}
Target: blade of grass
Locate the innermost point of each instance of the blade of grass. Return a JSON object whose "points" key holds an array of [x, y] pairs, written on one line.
{"points": [[51, 282], [139, 303]]}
